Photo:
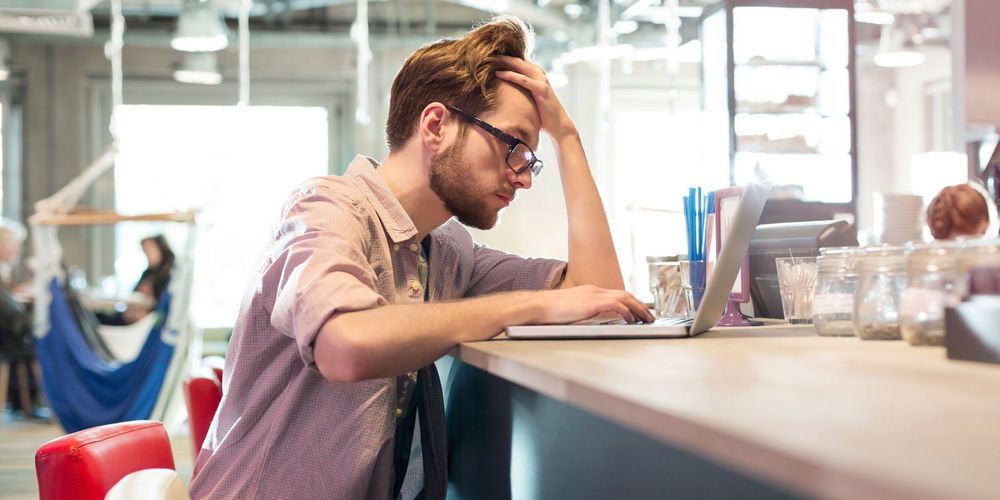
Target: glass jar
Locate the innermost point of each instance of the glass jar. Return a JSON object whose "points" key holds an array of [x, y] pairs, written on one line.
{"points": [[881, 281], [665, 285], [836, 282], [932, 278]]}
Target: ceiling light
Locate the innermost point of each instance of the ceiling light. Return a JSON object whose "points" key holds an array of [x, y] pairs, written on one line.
{"points": [[199, 28], [865, 12], [200, 68], [573, 10], [892, 52], [626, 27]]}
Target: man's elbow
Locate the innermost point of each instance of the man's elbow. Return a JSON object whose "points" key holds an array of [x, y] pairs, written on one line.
{"points": [[340, 357]]}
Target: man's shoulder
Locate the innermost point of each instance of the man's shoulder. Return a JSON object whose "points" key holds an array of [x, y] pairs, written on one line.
{"points": [[336, 189], [326, 185], [453, 233]]}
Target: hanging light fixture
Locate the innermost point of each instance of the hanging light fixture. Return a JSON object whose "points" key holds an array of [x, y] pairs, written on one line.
{"points": [[200, 68], [865, 12], [892, 52], [199, 28]]}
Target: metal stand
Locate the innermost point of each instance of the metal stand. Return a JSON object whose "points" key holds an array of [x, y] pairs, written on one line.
{"points": [[735, 317]]}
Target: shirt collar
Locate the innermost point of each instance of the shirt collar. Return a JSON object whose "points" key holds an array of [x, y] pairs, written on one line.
{"points": [[395, 220]]}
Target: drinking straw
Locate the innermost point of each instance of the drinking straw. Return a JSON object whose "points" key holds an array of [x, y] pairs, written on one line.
{"points": [[687, 224], [700, 240]]}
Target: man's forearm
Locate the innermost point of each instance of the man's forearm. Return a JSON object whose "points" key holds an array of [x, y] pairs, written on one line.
{"points": [[592, 257], [393, 339]]}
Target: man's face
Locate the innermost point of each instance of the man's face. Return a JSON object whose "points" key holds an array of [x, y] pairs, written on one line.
{"points": [[471, 175]]}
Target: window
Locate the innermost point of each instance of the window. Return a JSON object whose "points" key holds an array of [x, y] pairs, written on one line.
{"points": [[658, 155], [235, 165]]}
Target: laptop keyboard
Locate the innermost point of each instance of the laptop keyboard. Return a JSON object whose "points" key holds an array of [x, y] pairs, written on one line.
{"points": [[658, 322]]}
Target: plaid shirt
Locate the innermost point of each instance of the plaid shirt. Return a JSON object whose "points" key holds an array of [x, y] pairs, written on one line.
{"points": [[345, 244]]}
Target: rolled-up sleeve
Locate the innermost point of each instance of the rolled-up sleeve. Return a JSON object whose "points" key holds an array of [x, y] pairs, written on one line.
{"points": [[497, 271], [321, 268]]}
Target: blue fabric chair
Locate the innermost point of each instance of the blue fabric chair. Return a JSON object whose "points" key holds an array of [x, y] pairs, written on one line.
{"points": [[85, 390]]}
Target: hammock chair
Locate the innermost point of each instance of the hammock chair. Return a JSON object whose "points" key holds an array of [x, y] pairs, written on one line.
{"points": [[85, 382], [88, 386]]}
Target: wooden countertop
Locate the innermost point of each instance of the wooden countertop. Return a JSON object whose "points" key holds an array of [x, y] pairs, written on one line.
{"points": [[824, 416]]}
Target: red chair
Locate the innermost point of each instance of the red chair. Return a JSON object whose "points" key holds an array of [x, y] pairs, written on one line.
{"points": [[202, 392], [216, 363], [86, 464]]}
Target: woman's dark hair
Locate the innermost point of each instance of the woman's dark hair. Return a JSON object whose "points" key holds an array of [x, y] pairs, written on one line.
{"points": [[159, 276], [166, 254]]}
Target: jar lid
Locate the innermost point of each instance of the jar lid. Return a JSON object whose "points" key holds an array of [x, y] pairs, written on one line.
{"points": [[984, 252], [881, 251], [839, 250], [883, 257], [941, 248], [656, 259], [932, 257]]}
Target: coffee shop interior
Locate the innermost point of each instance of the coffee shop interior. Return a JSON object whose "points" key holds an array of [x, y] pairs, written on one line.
{"points": [[148, 147]]}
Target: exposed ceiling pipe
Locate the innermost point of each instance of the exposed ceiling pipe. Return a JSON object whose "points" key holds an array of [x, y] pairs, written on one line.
{"points": [[539, 17], [244, 75], [360, 34]]}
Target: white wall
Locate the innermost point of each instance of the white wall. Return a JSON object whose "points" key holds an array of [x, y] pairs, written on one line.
{"points": [[893, 124]]}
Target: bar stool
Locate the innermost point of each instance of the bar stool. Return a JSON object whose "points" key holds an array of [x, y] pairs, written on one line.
{"points": [[84, 465]]}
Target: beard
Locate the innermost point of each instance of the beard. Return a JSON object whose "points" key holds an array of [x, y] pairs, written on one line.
{"points": [[452, 183]]}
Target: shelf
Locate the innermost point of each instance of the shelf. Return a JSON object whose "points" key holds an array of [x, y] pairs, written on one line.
{"points": [[786, 64], [784, 112], [782, 153]]}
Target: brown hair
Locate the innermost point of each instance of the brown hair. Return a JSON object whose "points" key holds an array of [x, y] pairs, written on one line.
{"points": [[460, 72], [957, 210]]}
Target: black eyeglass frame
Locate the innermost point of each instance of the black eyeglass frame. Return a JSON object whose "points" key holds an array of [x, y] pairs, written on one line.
{"points": [[535, 165]]}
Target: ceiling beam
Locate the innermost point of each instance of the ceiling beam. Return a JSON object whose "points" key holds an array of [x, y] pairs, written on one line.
{"points": [[539, 17]]}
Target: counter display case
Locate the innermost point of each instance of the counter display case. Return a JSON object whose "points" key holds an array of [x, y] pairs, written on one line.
{"points": [[779, 94]]}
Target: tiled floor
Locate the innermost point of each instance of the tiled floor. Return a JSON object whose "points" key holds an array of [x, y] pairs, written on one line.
{"points": [[20, 438]]}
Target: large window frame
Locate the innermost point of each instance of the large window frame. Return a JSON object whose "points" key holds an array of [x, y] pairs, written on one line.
{"points": [[778, 210], [10, 133], [334, 97]]}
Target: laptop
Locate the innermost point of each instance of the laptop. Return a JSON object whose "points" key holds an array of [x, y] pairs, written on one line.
{"points": [[713, 303]]}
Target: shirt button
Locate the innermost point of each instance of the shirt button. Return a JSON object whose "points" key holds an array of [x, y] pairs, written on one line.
{"points": [[414, 247], [399, 412], [395, 247]]}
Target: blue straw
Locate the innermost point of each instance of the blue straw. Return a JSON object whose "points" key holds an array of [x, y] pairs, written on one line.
{"points": [[687, 223], [700, 242], [693, 230]]}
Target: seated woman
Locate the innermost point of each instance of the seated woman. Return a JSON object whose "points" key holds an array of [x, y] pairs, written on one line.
{"points": [[961, 210], [152, 282]]}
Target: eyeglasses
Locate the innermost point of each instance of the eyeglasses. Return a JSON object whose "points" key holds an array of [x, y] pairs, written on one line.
{"points": [[520, 157]]}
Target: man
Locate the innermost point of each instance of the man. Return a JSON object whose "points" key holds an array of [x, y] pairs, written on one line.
{"points": [[330, 389], [16, 341]]}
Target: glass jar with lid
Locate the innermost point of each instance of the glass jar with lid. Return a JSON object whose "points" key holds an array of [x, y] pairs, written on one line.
{"points": [[836, 282], [932, 279], [881, 281]]}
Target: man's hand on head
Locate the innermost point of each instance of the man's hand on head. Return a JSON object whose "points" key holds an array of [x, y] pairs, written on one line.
{"points": [[555, 120]]}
